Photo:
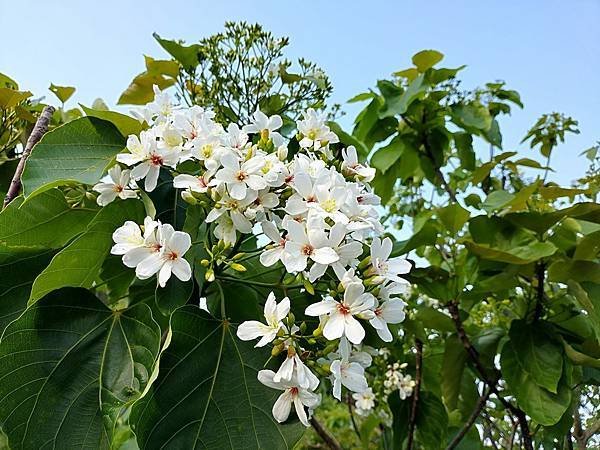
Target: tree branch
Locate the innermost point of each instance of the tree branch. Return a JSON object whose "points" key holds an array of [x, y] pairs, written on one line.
{"points": [[327, 437], [540, 270], [491, 382], [41, 126], [472, 418], [415, 399]]}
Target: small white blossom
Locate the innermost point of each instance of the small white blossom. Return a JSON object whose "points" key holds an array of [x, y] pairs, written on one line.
{"points": [[274, 314], [116, 186]]}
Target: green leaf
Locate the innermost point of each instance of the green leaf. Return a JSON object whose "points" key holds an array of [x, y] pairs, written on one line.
{"points": [[207, 393], [166, 67], [517, 255], [589, 301], [398, 104], [175, 294], [140, 91], [9, 98], [385, 157], [76, 152], [63, 93], [453, 217], [79, 263], [453, 365], [432, 421], [426, 59], [576, 270], [537, 352], [362, 97], [497, 200], [578, 358], [472, 115], [401, 413], [69, 365], [125, 124], [425, 236], [18, 269], [45, 221], [187, 55], [464, 147], [540, 404]]}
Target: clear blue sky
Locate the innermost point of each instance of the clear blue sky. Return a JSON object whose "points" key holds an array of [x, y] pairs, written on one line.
{"points": [[547, 49]]}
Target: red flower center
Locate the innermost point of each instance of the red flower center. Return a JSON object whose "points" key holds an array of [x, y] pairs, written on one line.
{"points": [[343, 309], [156, 160], [307, 250]]}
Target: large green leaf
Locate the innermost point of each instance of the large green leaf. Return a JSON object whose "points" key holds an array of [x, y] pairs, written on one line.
{"points": [[426, 59], [45, 221], [537, 352], [18, 269], [79, 263], [453, 217], [432, 421], [125, 124], [68, 366], [207, 394], [186, 55], [542, 405], [385, 157], [518, 255], [453, 365], [398, 104], [76, 152]]}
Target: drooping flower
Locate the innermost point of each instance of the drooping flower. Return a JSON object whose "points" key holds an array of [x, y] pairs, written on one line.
{"points": [[294, 368], [342, 321], [292, 394], [118, 186], [353, 167], [349, 374], [384, 268], [390, 311], [274, 314], [169, 260]]}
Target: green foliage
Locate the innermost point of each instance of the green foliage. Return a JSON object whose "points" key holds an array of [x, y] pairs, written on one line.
{"points": [[77, 152], [518, 256], [234, 73], [207, 383]]}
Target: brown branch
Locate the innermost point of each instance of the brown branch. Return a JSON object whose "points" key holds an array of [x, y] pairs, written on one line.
{"points": [[415, 399], [327, 437], [490, 381], [471, 420], [41, 126], [540, 270]]}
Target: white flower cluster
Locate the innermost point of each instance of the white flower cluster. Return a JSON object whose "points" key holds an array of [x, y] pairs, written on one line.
{"points": [[318, 214], [396, 380]]}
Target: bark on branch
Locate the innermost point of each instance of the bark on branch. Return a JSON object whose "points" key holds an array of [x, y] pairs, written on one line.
{"points": [[412, 422], [327, 437], [41, 126], [472, 418], [491, 381]]}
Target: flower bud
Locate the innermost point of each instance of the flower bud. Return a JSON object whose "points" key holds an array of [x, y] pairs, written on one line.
{"points": [[188, 197], [309, 287], [209, 275], [204, 263], [303, 327], [282, 153], [237, 267], [238, 256], [364, 263], [277, 349]]}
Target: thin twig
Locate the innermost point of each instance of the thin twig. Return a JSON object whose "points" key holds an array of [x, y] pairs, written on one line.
{"points": [[472, 418], [327, 437], [415, 399], [354, 425], [41, 126], [540, 270], [490, 381]]}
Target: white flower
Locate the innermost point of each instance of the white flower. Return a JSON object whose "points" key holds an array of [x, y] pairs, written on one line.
{"points": [[274, 314], [390, 311], [271, 255], [262, 124], [306, 242], [341, 321], [314, 131], [127, 237], [292, 394], [349, 374], [351, 166], [406, 386], [239, 178], [293, 368], [150, 243], [347, 253], [191, 182], [229, 214], [118, 187], [235, 137], [169, 260], [364, 402], [149, 157], [386, 269]]}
